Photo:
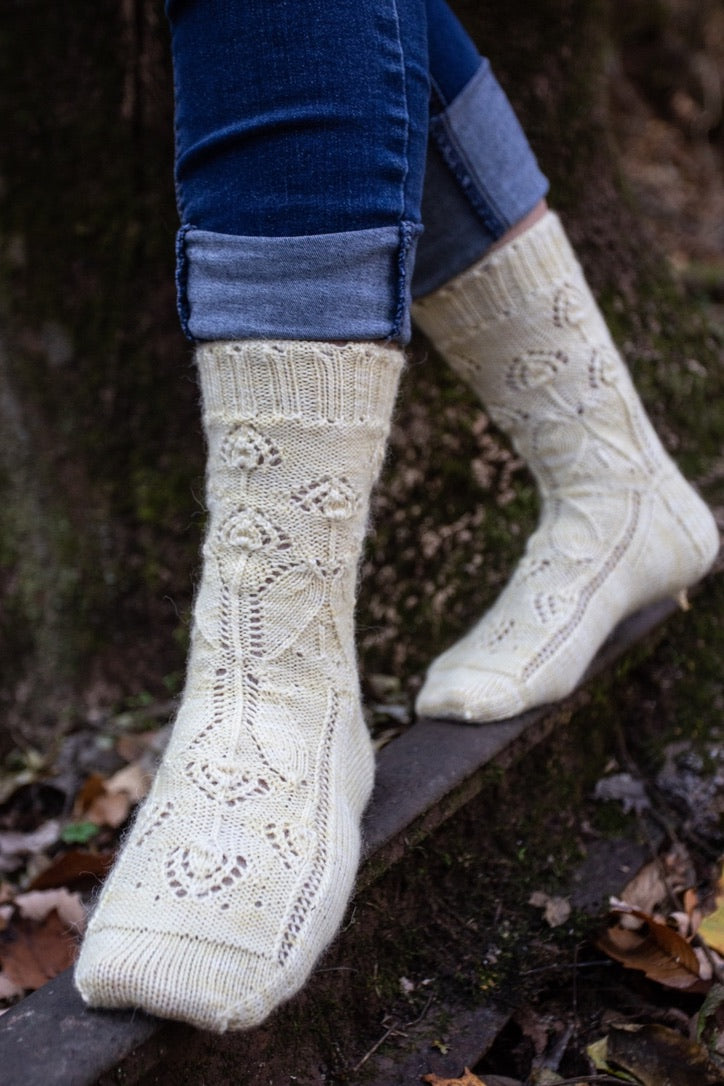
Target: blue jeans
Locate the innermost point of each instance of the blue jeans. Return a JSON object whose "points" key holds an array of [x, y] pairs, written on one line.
{"points": [[304, 172]]}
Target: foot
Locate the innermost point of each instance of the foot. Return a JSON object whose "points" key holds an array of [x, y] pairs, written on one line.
{"points": [[240, 865], [620, 527]]}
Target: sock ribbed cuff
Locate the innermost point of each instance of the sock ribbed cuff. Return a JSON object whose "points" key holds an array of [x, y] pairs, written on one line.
{"points": [[501, 282], [268, 380]]}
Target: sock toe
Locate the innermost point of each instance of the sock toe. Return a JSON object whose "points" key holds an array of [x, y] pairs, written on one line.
{"points": [[470, 694], [205, 984]]}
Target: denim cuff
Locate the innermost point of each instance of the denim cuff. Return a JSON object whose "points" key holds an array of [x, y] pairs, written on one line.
{"points": [[482, 177], [345, 286]]}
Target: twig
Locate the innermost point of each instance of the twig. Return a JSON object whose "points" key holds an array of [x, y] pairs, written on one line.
{"points": [[604, 963], [574, 992], [393, 1029], [383, 1038], [416, 1021]]}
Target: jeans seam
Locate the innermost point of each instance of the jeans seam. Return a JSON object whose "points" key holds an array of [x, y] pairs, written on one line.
{"points": [[182, 276], [408, 233], [455, 159], [406, 155]]}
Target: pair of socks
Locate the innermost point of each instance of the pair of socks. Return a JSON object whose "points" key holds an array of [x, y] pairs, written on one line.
{"points": [[239, 867]]}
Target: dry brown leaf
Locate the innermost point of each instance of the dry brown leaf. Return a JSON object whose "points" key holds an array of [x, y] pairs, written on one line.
{"points": [[647, 889], [32, 953], [108, 802], [655, 949], [93, 787], [653, 883], [133, 779], [109, 809], [95, 804], [77, 869], [468, 1079]]}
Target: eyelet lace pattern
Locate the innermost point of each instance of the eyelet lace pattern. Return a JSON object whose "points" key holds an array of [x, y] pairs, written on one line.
{"points": [[238, 869], [619, 526]]}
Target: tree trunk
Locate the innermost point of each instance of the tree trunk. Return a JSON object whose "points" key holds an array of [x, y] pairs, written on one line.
{"points": [[101, 457]]}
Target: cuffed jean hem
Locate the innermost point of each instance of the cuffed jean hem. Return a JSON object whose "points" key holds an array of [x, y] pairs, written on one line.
{"points": [[353, 285], [481, 178]]}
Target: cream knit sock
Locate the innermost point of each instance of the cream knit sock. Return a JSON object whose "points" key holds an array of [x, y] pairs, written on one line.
{"points": [[240, 864], [620, 527]]}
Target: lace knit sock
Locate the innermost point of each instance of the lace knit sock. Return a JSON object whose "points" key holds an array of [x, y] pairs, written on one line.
{"points": [[240, 864], [620, 527]]}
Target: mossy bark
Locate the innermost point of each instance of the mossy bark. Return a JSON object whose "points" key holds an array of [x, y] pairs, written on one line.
{"points": [[100, 444], [101, 455]]}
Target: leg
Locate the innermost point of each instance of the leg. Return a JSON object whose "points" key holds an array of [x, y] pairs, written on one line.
{"points": [[481, 177], [620, 527], [239, 867]]}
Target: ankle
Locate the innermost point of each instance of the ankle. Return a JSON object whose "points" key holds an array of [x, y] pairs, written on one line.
{"points": [[521, 226]]}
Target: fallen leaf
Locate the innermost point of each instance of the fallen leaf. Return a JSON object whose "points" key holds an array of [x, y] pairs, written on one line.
{"points": [[108, 801], [14, 845], [134, 780], [535, 1027], [598, 1055], [703, 956], [656, 1054], [711, 928], [647, 889], [77, 869], [712, 1003], [110, 809], [556, 909], [468, 1079], [8, 988], [654, 948], [629, 791], [31, 804], [92, 788], [32, 954], [94, 805], [38, 904]]}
